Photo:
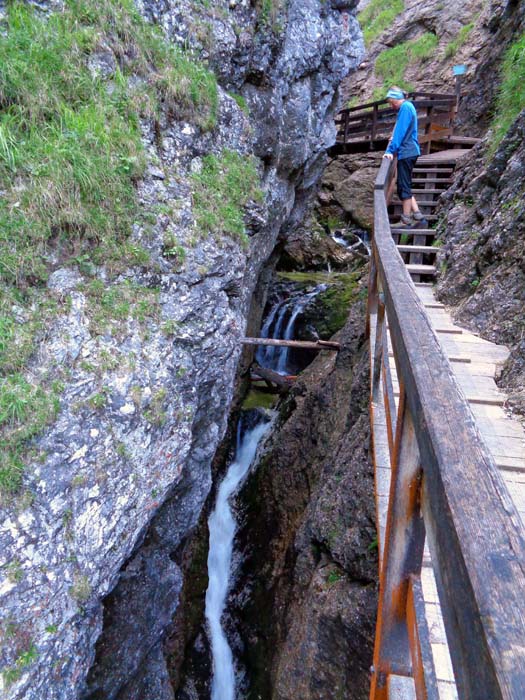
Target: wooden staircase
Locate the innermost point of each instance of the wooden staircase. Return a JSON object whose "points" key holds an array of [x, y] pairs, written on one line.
{"points": [[432, 175]]}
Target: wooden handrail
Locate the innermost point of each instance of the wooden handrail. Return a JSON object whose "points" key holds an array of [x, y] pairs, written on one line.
{"points": [[445, 484], [374, 121]]}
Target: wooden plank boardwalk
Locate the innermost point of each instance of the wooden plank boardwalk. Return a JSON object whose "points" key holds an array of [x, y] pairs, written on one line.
{"points": [[475, 363]]}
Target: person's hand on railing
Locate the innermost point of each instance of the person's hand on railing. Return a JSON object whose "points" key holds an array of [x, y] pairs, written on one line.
{"points": [[388, 155]]}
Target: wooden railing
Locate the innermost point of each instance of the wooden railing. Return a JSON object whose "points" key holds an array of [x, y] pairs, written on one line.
{"points": [[445, 486], [373, 122]]}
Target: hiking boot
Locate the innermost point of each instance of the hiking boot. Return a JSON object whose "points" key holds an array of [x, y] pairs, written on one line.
{"points": [[419, 220], [404, 222]]}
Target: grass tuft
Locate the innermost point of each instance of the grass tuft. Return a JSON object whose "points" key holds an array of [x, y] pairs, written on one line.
{"points": [[511, 97], [377, 16], [391, 64], [221, 190], [458, 42], [70, 142]]}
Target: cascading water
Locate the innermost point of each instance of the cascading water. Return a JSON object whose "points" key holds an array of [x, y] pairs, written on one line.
{"points": [[280, 323], [222, 530], [282, 316]]}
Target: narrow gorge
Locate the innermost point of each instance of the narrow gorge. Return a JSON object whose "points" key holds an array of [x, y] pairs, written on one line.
{"points": [[176, 526]]}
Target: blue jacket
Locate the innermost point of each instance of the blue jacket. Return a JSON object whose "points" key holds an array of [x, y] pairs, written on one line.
{"points": [[404, 141]]}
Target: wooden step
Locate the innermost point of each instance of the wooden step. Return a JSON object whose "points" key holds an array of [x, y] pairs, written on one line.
{"points": [[428, 217], [415, 231], [432, 170], [421, 202], [441, 180], [462, 140], [423, 191], [421, 269], [431, 250]]}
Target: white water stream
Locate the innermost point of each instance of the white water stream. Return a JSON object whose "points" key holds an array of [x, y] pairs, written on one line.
{"points": [[222, 530]]}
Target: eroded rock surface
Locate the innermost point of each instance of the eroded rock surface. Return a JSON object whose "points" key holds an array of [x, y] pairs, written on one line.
{"points": [[483, 258], [304, 607], [145, 401]]}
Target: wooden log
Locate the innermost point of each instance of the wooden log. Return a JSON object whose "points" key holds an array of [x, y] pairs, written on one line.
{"points": [[306, 344], [283, 383]]}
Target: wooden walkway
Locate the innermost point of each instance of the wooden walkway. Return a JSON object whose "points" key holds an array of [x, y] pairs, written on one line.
{"points": [[475, 363]]}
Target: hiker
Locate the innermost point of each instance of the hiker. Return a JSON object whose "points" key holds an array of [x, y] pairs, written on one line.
{"points": [[405, 146]]}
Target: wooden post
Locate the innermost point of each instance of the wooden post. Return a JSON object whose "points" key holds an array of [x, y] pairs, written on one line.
{"points": [[403, 554], [374, 122]]}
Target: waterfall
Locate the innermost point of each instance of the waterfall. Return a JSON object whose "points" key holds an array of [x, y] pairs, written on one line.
{"points": [[282, 316], [222, 530]]}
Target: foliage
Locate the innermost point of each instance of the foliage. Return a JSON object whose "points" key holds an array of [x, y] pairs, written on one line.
{"points": [[391, 64], [13, 673], [224, 186], [259, 399], [334, 576], [70, 147], [81, 588], [268, 11], [24, 411], [511, 96], [458, 42], [377, 16], [424, 46], [241, 102]]}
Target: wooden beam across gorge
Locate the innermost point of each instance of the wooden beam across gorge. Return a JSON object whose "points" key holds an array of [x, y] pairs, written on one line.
{"points": [[304, 344]]}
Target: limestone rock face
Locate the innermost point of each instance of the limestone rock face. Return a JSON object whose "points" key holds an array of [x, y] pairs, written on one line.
{"points": [[467, 32], [348, 187], [127, 461], [483, 258]]}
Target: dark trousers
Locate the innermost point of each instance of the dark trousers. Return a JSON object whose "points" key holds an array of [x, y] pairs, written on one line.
{"points": [[404, 177]]}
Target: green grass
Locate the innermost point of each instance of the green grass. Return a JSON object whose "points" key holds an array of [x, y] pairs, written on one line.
{"points": [[424, 47], [24, 411], [511, 96], [12, 674], [391, 64], [71, 153], [70, 148], [457, 43], [259, 399], [268, 11], [110, 306], [377, 16], [221, 190]]}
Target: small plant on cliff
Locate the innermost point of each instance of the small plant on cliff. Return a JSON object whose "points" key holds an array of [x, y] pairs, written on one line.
{"points": [[377, 16], [458, 42], [224, 186], [24, 411], [511, 96], [13, 673], [391, 64]]}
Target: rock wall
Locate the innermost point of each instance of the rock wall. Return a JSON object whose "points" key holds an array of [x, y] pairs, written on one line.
{"points": [[470, 33], [482, 260], [117, 483], [303, 611]]}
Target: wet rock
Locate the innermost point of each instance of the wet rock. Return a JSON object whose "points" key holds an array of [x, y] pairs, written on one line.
{"points": [[313, 249], [348, 188], [304, 606]]}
